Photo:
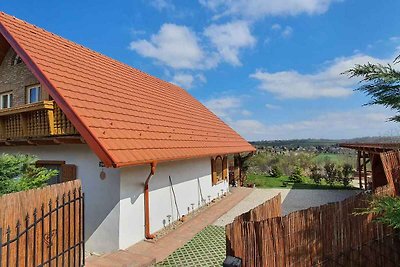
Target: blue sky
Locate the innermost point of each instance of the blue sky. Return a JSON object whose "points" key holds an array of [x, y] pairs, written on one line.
{"points": [[269, 68]]}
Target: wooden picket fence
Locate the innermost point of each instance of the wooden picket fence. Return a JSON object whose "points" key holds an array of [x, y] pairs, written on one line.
{"points": [[43, 227], [328, 235]]}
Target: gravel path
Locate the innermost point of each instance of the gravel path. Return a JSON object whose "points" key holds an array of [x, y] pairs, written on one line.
{"points": [[292, 199]]}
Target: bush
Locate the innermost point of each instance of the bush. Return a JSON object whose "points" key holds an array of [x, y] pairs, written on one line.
{"points": [[387, 209], [330, 171], [19, 173], [347, 171], [316, 174], [297, 175], [276, 171]]}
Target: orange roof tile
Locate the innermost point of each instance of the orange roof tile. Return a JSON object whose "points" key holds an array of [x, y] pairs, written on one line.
{"points": [[126, 116]]}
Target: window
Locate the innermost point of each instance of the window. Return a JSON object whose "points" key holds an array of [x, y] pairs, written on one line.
{"points": [[6, 100], [33, 94], [66, 172], [17, 60], [219, 169]]}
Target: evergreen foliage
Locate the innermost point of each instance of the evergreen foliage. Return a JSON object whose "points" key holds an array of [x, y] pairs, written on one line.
{"points": [[19, 173], [381, 83]]}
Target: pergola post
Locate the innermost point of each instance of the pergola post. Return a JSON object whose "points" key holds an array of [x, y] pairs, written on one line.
{"points": [[365, 170], [359, 168]]}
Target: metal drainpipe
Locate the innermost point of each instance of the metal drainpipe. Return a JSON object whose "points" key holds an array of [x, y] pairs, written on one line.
{"points": [[147, 233]]}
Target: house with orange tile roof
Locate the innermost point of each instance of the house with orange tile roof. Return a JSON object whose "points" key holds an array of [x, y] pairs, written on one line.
{"points": [[147, 152]]}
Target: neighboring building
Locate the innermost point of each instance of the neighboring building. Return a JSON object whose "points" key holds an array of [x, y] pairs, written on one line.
{"points": [[114, 127]]}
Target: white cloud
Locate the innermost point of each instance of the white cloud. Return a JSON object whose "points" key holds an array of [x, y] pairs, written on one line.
{"points": [[162, 5], [254, 9], [366, 121], [276, 27], [229, 38], [187, 81], [272, 107], [287, 32], [327, 82], [183, 80], [224, 106], [175, 46]]}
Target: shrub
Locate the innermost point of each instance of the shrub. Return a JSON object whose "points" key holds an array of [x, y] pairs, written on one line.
{"points": [[316, 174], [386, 208], [297, 175], [330, 171], [276, 171], [19, 173], [347, 171]]}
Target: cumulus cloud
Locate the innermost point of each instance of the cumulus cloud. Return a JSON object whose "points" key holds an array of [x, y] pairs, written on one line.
{"points": [[287, 32], [229, 38], [254, 9], [366, 121], [272, 107], [175, 46], [187, 81], [224, 106], [183, 80], [328, 82], [161, 5]]}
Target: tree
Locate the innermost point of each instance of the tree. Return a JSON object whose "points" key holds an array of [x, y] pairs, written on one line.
{"points": [[19, 173], [330, 171], [297, 175], [381, 83], [316, 175], [276, 171], [347, 171]]}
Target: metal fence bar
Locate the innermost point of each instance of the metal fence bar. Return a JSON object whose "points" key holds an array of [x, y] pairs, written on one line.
{"points": [[20, 245], [1, 246]]}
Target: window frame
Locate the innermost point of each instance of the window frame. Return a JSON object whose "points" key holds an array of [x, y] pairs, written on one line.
{"points": [[223, 175], [28, 93], [9, 99]]}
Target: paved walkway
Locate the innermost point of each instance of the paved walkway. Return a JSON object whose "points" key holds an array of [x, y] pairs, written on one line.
{"points": [[292, 200], [146, 253]]}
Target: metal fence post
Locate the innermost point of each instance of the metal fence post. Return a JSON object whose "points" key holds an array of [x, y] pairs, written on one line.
{"points": [[1, 245]]}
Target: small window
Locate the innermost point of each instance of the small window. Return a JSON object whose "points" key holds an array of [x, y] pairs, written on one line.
{"points": [[33, 94], [6, 100], [17, 60], [66, 172], [219, 169]]}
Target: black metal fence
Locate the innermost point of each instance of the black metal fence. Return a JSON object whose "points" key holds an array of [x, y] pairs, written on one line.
{"points": [[52, 235]]}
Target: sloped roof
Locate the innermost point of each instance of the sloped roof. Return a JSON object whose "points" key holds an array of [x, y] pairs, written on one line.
{"points": [[126, 116]]}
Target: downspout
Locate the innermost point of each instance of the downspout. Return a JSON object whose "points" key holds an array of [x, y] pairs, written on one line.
{"points": [[147, 233]]}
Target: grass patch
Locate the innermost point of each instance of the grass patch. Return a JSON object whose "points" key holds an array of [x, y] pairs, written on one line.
{"points": [[263, 181]]}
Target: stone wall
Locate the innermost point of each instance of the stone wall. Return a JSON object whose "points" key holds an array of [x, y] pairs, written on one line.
{"points": [[15, 79]]}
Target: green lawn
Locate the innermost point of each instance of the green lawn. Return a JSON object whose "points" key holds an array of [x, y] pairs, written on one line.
{"points": [[264, 181]]}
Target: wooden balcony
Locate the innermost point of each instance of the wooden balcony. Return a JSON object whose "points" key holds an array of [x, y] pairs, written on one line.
{"points": [[37, 120]]}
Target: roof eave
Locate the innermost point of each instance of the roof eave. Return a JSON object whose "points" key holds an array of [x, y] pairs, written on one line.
{"points": [[90, 139]]}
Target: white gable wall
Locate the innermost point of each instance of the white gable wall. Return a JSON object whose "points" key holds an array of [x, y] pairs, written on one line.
{"points": [[114, 207], [186, 177], [101, 196]]}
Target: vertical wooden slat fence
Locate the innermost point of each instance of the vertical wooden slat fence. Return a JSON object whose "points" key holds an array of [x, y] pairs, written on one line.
{"points": [[329, 235], [43, 227]]}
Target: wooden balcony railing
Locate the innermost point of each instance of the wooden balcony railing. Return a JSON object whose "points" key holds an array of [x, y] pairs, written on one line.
{"points": [[42, 119]]}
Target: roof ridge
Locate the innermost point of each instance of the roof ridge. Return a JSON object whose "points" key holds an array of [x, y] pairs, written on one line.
{"points": [[92, 51]]}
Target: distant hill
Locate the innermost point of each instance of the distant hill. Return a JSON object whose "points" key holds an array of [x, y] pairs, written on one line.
{"points": [[326, 142]]}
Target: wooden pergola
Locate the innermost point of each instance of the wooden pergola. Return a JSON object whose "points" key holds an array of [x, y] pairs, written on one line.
{"points": [[375, 155]]}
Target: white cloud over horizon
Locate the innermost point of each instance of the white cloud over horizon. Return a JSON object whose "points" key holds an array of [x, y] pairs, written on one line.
{"points": [[257, 9], [327, 82], [365, 121]]}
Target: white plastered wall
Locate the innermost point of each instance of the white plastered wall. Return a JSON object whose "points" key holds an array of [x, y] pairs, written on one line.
{"points": [[187, 177], [101, 196]]}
